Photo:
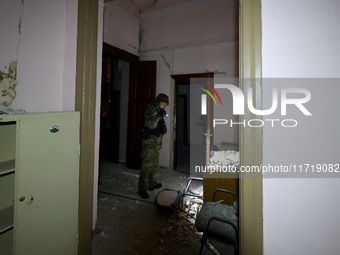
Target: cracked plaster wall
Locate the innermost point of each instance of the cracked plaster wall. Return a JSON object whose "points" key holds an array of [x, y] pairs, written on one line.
{"points": [[121, 26], [199, 39], [195, 38], [41, 37], [10, 27]]}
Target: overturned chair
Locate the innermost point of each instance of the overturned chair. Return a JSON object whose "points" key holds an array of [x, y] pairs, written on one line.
{"points": [[173, 200], [219, 221]]}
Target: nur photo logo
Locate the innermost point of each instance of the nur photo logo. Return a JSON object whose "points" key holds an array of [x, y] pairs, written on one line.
{"points": [[204, 98], [302, 97]]}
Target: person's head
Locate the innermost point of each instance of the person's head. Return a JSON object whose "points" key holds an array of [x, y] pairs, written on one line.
{"points": [[162, 100]]}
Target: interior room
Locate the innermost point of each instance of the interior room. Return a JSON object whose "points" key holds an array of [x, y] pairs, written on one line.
{"points": [[155, 35], [51, 61]]}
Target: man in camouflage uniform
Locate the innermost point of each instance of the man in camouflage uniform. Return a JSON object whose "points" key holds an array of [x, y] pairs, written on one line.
{"points": [[153, 129]]}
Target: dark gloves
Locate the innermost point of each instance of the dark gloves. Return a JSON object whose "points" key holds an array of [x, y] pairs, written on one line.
{"points": [[162, 113], [162, 126], [161, 123]]}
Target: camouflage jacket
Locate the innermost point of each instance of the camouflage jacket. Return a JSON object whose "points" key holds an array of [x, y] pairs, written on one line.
{"points": [[152, 121]]}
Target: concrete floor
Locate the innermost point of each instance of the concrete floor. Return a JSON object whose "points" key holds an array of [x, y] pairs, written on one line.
{"points": [[127, 224]]}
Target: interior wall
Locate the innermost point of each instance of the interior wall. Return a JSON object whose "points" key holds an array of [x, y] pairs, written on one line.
{"points": [[124, 103], [182, 26], [41, 37], [196, 39], [121, 27], [300, 40]]}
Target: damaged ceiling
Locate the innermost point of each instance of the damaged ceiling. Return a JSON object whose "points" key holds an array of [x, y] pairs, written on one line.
{"points": [[145, 6]]}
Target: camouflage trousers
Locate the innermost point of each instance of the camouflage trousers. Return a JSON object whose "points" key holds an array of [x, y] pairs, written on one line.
{"points": [[150, 155]]}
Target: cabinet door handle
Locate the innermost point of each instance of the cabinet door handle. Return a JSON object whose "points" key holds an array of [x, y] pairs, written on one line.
{"points": [[29, 202], [22, 199]]}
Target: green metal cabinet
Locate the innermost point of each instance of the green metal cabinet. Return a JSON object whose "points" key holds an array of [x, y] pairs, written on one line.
{"points": [[39, 183]]}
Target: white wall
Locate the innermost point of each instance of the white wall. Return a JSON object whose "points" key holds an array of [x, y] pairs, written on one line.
{"points": [[70, 55], [121, 27], [46, 52], [203, 23], [301, 40], [196, 39]]}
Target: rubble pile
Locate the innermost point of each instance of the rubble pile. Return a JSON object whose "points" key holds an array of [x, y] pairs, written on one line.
{"points": [[225, 158]]}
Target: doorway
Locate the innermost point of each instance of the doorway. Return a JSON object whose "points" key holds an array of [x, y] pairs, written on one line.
{"points": [[128, 86], [183, 113], [183, 128], [114, 108], [117, 69], [250, 66]]}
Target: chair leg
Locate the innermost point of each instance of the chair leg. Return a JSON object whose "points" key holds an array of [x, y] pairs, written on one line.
{"points": [[236, 249], [204, 239], [201, 249], [212, 248]]}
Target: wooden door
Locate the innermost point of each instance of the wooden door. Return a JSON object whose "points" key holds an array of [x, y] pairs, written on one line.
{"points": [[141, 93]]}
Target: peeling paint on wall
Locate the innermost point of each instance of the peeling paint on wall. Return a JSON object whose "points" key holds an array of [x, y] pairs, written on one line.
{"points": [[165, 62], [8, 83], [8, 75]]}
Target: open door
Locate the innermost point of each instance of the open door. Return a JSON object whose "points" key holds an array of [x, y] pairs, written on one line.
{"points": [[142, 93], [110, 108], [201, 132], [187, 94]]}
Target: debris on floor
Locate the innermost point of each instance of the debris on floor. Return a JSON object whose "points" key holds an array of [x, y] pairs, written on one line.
{"points": [[135, 227], [129, 225]]}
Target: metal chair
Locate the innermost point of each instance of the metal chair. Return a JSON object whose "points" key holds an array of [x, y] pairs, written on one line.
{"points": [[170, 199], [219, 221]]}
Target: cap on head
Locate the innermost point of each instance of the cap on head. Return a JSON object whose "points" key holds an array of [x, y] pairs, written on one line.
{"points": [[163, 98]]}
